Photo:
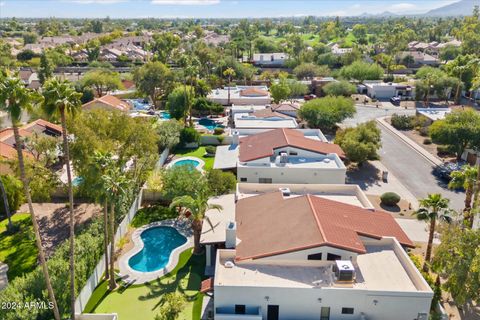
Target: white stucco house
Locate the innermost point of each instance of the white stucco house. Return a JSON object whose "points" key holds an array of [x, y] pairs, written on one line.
{"points": [[312, 252], [282, 156], [276, 59], [241, 95], [264, 119], [382, 90]]}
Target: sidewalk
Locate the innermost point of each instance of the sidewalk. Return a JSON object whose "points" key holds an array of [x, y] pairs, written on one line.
{"points": [[427, 155]]}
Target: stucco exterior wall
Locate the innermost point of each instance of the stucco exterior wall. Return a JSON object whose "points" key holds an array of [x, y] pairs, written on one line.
{"points": [[292, 175]]}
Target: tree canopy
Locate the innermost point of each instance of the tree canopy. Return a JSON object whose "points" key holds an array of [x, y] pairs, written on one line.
{"points": [[361, 71], [325, 113], [360, 143]]}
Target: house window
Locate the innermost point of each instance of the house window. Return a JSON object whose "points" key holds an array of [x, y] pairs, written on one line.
{"points": [[293, 153], [239, 309], [333, 257], [272, 312], [315, 256], [264, 180], [325, 313], [347, 310], [243, 179]]}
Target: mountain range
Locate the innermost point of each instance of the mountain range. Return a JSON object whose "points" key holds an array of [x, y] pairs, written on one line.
{"points": [[460, 8]]}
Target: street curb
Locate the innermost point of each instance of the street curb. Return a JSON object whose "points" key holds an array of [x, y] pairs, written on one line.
{"points": [[432, 159]]}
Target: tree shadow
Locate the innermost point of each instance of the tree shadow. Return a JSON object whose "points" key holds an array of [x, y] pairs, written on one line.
{"points": [[365, 176]]}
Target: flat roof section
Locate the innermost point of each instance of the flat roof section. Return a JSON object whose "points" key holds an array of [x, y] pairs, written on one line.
{"points": [[219, 219]]}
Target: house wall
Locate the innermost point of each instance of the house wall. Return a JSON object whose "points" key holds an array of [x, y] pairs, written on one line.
{"points": [[306, 303], [292, 175], [302, 255]]}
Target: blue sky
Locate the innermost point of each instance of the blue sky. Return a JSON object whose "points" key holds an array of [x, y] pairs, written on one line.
{"points": [[208, 8]]}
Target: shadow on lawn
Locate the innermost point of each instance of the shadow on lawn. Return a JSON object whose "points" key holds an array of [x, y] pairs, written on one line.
{"points": [[186, 279]]}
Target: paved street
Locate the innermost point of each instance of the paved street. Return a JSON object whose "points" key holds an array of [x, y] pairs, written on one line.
{"points": [[413, 170], [365, 114]]}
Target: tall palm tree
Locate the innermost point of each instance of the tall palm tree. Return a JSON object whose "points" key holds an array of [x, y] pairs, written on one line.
{"points": [[465, 178], [5, 204], [103, 161], [432, 208], [194, 209], [60, 98], [14, 97], [229, 73], [115, 185]]}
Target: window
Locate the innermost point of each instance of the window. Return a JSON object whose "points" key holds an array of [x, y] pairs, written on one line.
{"points": [[325, 313], [243, 179], [347, 310], [333, 257], [315, 256], [264, 180], [293, 153], [272, 312], [239, 309]]}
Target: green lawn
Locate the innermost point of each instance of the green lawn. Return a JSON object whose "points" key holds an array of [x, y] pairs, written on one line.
{"points": [[18, 250], [142, 301], [199, 153]]}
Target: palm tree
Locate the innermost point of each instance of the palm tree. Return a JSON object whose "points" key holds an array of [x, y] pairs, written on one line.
{"points": [[60, 98], [14, 97], [229, 73], [194, 209], [7, 209], [432, 208], [115, 184], [103, 161], [465, 178]]}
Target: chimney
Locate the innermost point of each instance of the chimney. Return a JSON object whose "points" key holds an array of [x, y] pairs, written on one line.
{"points": [[231, 235], [235, 138]]}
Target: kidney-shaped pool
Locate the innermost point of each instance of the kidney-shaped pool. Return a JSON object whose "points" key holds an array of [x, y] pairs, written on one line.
{"points": [[158, 244]]}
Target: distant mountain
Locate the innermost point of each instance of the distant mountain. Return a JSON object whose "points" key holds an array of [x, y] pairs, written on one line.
{"points": [[383, 14], [460, 8]]}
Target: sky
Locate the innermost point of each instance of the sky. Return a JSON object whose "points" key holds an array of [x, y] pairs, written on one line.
{"points": [[209, 8]]}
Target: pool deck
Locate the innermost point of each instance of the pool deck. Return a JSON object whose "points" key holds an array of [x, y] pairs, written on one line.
{"points": [[138, 277]]}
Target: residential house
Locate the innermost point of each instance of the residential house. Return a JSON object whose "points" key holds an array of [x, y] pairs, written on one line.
{"points": [[276, 59], [264, 119], [29, 78], [433, 48], [318, 83], [282, 156], [310, 252], [109, 103], [419, 59], [8, 149], [215, 39], [382, 90], [287, 108], [241, 95], [339, 51]]}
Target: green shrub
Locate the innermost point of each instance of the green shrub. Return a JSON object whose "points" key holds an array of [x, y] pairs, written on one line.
{"points": [[152, 214], [423, 131], [218, 131], [390, 198], [402, 122], [210, 150], [221, 182], [189, 135], [427, 141], [444, 150], [14, 190]]}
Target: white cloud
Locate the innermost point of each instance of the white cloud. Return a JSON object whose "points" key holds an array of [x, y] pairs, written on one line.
{"points": [[404, 6], [185, 2], [2, 3]]}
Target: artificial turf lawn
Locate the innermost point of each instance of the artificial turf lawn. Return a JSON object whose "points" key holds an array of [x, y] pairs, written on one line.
{"points": [[141, 302], [199, 153], [18, 250]]}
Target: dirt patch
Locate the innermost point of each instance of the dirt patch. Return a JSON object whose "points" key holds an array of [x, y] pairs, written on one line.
{"points": [[401, 210], [53, 221], [431, 148]]}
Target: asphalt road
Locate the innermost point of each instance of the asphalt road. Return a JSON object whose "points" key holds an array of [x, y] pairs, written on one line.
{"points": [[413, 170]]}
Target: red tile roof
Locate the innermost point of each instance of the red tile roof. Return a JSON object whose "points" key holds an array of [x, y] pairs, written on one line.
{"points": [[254, 92], [270, 224], [110, 101], [268, 113], [263, 144], [286, 107]]}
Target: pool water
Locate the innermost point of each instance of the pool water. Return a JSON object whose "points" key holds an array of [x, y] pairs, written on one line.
{"points": [[77, 181], [187, 162], [165, 115], [209, 123], [158, 244]]}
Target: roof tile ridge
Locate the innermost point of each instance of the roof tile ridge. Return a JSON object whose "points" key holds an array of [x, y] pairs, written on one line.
{"points": [[285, 135], [317, 220]]}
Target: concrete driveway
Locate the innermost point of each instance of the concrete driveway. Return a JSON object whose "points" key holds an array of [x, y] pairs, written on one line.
{"points": [[416, 230]]}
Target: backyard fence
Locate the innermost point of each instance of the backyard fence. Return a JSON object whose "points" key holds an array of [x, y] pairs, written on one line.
{"points": [[122, 229]]}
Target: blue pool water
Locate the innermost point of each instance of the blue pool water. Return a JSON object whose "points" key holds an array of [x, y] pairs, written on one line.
{"points": [[209, 123], [187, 162], [77, 181], [165, 115], [158, 244]]}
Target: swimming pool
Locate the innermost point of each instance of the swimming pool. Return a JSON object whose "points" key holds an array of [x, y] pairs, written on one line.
{"points": [[158, 244], [164, 115], [209, 124], [187, 162]]}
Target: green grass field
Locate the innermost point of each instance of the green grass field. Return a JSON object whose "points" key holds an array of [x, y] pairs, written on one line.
{"points": [[199, 153], [141, 302], [18, 250]]}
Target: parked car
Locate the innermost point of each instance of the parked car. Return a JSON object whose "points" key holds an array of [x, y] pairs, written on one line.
{"points": [[395, 100], [309, 97], [443, 171]]}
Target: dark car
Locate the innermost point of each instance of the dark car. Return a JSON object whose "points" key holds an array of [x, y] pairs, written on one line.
{"points": [[443, 171], [395, 100], [309, 97]]}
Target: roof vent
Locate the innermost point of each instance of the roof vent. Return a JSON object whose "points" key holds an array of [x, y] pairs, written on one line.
{"points": [[229, 264], [285, 192], [344, 271], [326, 160]]}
